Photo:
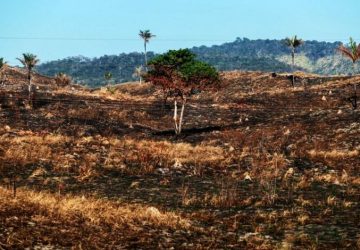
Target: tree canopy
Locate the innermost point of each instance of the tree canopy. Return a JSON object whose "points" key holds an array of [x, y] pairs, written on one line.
{"points": [[179, 71]]}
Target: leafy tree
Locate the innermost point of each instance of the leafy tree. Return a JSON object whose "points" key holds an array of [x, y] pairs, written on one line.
{"points": [[146, 35], [29, 61], [108, 76], [353, 53], [293, 43], [138, 73], [180, 75]]}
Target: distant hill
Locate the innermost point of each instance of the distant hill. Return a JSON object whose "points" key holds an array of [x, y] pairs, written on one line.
{"points": [[242, 54]]}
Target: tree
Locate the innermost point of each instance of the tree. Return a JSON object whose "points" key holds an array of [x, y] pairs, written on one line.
{"points": [[293, 43], [108, 76], [146, 36], [180, 75], [353, 53], [3, 64], [29, 61], [138, 73]]}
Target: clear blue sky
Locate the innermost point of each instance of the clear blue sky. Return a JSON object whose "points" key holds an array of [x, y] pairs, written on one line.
{"points": [[177, 24]]}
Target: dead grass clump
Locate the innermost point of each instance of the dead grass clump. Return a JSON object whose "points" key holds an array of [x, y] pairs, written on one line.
{"points": [[334, 154], [94, 211]]}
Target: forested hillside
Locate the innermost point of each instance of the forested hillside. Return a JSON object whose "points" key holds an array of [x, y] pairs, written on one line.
{"points": [[242, 54]]}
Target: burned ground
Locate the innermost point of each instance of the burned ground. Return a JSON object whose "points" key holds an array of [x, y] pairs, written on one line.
{"points": [[260, 165]]}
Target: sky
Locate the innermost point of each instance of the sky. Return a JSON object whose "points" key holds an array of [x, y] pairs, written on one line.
{"points": [[62, 28]]}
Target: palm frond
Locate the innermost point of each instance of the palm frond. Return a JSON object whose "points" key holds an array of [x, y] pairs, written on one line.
{"points": [[293, 42], [146, 35], [346, 52]]}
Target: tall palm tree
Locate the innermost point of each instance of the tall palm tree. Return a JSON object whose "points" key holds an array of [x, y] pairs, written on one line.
{"points": [[353, 53], [293, 43], [29, 61], [146, 35], [138, 73]]}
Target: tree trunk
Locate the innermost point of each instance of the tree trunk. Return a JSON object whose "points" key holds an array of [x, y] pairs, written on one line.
{"points": [[355, 92], [176, 118], [145, 56], [292, 67], [29, 87], [140, 79], [182, 114]]}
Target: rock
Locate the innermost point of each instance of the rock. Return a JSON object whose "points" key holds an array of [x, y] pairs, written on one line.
{"points": [[7, 128], [135, 184], [247, 176], [163, 170], [177, 164]]}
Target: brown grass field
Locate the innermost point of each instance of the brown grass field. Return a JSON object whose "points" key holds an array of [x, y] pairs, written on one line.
{"points": [[260, 165]]}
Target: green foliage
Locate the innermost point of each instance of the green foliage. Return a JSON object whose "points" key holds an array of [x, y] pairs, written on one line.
{"points": [[178, 70], [352, 51], [174, 58], [293, 42], [146, 35], [29, 60], [108, 76], [196, 71]]}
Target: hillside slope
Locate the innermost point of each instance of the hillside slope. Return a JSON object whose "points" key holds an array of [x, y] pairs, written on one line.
{"points": [[242, 54]]}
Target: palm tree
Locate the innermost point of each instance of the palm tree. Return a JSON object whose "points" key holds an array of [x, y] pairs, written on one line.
{"points": [[29, 61], [138, 73], [3, 64], [146, 36], [293, 43], [108, 77], [353, 53]]}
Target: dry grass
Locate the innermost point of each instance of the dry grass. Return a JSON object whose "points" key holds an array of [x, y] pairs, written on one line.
{"points": [[272, 167], [95, 211]]}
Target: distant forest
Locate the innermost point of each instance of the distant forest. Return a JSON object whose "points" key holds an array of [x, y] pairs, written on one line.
{"points": [[242, 54]]}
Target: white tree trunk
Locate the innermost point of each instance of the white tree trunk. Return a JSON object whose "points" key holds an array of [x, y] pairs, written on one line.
{"points": [[176, 118], [146, 69], [29, 88], [182, 114], [355, 91], [293, 66]]}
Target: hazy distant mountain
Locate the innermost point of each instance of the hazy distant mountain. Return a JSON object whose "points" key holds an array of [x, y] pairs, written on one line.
{"points": [[242, 54]]}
